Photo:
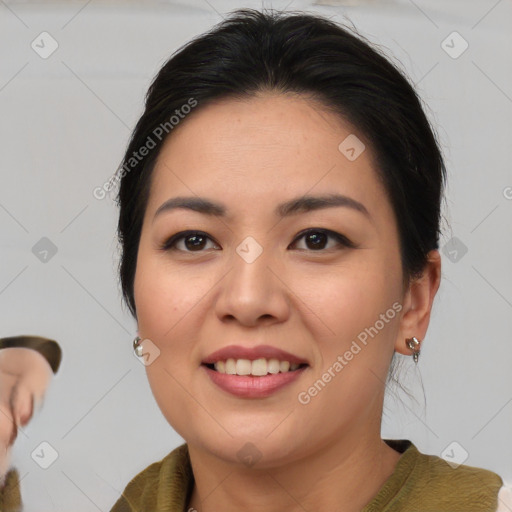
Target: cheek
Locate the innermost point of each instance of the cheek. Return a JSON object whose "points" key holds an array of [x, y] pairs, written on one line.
{"points": [[355, 302], [350, 297], [168, 302], [355, 354], [164, 296]]}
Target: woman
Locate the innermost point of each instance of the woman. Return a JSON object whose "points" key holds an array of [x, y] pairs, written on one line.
{"points": [[279, 222]]}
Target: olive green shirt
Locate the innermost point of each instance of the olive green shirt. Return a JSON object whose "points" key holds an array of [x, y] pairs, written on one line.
{"points": [[419, 483]]}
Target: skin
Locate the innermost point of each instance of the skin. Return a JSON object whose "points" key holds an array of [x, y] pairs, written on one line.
{"points": [[24, 378], [252, 155]]}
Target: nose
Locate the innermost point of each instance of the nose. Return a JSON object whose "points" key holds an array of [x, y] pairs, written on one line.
{"points": [[253, 292]]}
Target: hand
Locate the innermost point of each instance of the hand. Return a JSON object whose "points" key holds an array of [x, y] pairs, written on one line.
{"points": [[24, 378]]}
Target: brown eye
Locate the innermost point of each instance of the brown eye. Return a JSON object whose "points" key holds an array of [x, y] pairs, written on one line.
{"points": [[193, 241], [317, 239]]}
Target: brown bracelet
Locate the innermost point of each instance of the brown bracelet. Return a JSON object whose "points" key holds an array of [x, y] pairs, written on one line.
{"points": [[48, 348]]}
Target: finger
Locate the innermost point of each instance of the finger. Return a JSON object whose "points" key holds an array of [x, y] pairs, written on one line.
{"points": [[22, 404], [8, 430], [5, 462], [14, 434], [25, 419]]}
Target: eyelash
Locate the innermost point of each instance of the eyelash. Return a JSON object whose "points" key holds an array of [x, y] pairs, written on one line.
{"points": [[168, 245]]}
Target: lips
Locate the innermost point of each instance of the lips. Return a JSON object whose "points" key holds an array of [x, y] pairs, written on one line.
{"points": [[249, 387], [256, 372], [252, 353]]}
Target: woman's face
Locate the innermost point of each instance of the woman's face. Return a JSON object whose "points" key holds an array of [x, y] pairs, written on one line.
{"points": [[265, 272]]}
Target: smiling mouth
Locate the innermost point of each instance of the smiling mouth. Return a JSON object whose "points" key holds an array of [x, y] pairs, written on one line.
{"points": [[254, 368]]}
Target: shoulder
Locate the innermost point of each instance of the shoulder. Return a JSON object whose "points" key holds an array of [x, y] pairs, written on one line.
{"points": [[456, 485], [430, 483], [169, 478]]}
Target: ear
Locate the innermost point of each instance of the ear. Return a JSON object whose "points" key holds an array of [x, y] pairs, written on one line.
{"points": [[417, 303]]}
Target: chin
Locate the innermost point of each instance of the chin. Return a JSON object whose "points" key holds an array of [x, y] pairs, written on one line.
{"points": [[253, 451]]}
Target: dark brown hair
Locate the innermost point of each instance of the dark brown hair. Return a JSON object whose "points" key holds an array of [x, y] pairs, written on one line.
{"points": [[252, 51]]}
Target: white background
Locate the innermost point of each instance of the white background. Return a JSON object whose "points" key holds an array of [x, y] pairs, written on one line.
{"points": [[64, 124]]}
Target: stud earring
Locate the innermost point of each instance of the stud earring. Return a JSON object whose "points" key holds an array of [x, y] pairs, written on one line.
{"points": [[137, 347], [414, 344]]}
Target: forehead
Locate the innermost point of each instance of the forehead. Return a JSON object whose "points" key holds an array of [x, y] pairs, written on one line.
{"points": [[255, 152]]}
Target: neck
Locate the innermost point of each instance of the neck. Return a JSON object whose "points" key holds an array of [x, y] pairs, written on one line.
{"points": [[342, 475]]}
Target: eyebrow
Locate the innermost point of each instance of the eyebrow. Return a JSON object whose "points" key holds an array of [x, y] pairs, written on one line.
{"points": [[302, 204]]}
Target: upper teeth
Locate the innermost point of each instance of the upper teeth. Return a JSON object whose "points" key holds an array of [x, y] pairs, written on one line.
{"points": [[257, 367]]}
